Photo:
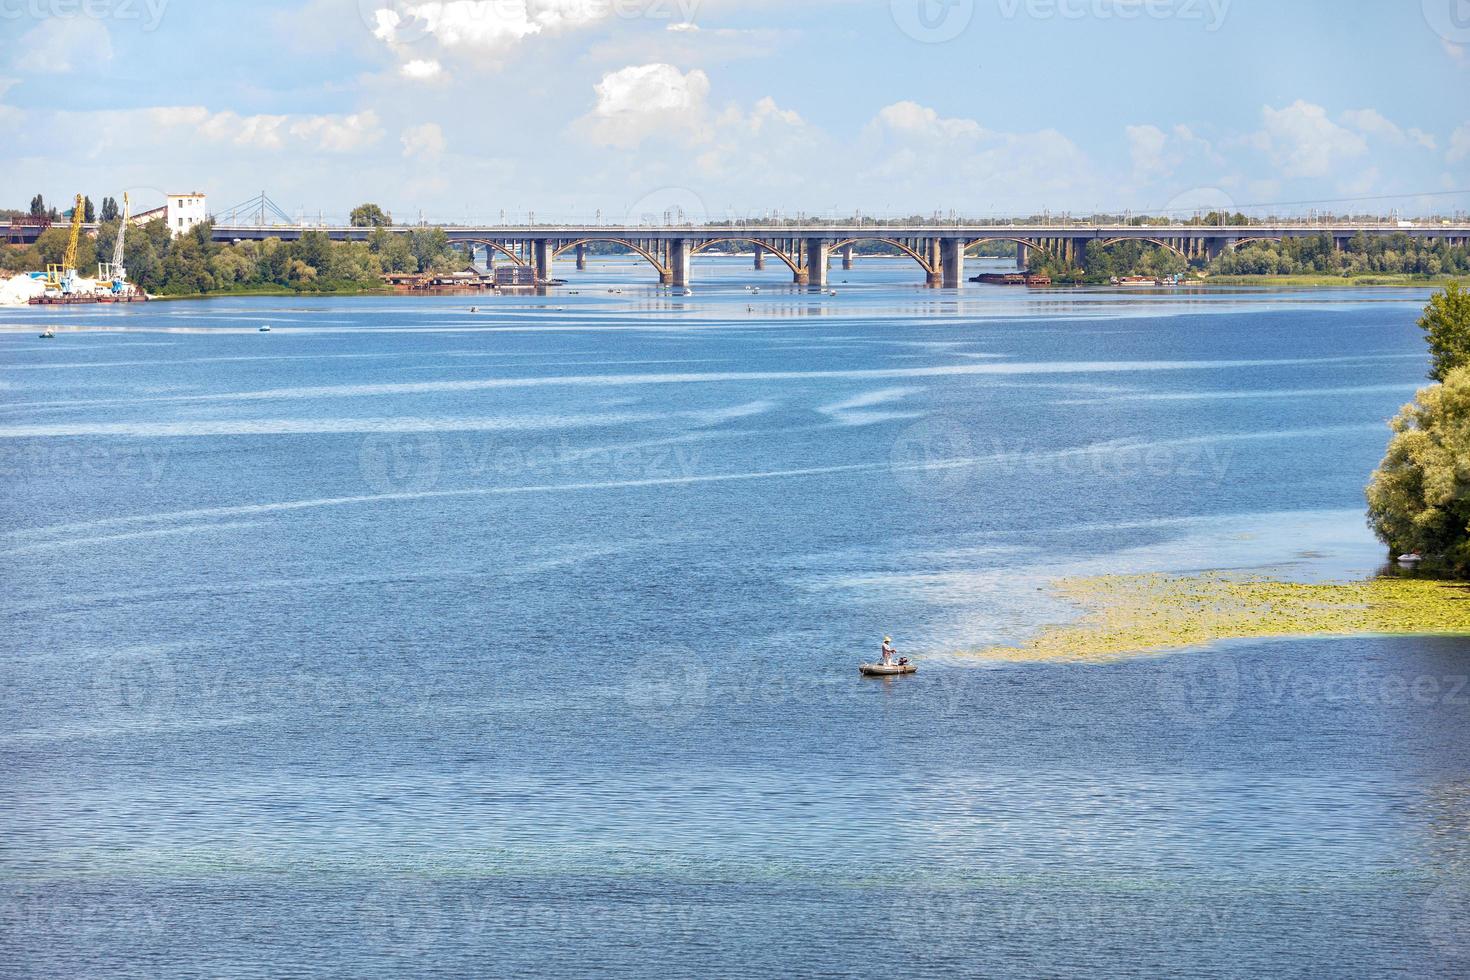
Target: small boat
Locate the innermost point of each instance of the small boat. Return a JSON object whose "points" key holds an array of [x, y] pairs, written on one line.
{"points": [[1410, 559], [887, 670], [48, 334], [688, 292], [265, 328]]}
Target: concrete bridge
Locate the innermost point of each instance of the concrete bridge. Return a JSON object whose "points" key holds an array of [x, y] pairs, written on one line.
{"points": [[808, 249]]}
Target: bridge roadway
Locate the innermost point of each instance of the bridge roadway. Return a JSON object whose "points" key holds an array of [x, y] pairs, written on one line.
{"points": [[807, 250]]}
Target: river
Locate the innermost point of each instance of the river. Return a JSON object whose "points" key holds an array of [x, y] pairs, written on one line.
{"points": [[405, 638]]}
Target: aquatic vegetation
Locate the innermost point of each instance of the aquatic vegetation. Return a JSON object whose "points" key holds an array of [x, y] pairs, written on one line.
{"points": [[1154, 613]]}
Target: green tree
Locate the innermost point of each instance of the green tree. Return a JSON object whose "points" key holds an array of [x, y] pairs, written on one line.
{"points": [[370, 216], [1446, 325], [89, 212], [1419, 498], [38, 207], [109, 209]]}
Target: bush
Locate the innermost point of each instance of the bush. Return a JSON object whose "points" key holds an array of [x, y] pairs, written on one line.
{"points": [[1419, 498]]}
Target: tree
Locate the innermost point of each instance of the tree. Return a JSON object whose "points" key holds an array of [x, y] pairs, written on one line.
{"points": [[109, 209], [89, 213], [370, 216], [1419, 498], [1446, 325], [38, 207]]}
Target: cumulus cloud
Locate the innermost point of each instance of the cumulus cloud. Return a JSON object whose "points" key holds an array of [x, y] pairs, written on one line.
{"points": [[913, 148], [59, 45], [1459, 144], [339, 134], [1304, 142], [421, 69], [635, 102], [1371, 122], [426, 140]]}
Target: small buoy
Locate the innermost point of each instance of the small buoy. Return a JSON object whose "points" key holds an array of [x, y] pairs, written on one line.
{"points": [[832, 293]]}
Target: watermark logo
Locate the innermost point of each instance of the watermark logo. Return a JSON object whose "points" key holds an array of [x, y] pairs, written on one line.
{"points": [[932, 21], [1446, 912], [147, 13], [667, 687], [929, 459], [668, 207], [1210, 13], [1450, 19], [401, 462], [1200, 690]]}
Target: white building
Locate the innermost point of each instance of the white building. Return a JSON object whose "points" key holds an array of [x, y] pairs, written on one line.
{"points": [[184, 211]]}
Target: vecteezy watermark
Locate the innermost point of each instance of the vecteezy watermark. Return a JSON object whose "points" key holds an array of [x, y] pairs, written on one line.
{"points": [[1450, 19], [1211, 13], [932, 21], [45, 459], [1207, 688], [401, 462], [414, 462], [938, 457], [667, 687], [150, 12], [667, 207], [493, 22], [1198, 689], [1446, 912]]}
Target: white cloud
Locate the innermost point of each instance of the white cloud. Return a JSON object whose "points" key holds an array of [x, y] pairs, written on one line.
{"points": [[1303, 142], [1146, 149], [916, 121], [489, 25], [1371, 122], [636, 102], [915, 150], [59, 45], [339, 134], [426, 140], [1424, 139], [1459, 144], [420, 69]]}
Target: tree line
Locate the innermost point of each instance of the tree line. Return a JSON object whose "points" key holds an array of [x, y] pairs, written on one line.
{"points": [[193, 263], [1397, 254]]}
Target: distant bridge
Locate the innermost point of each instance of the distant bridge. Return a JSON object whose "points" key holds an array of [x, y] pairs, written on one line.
{"points": [[808, 249]]}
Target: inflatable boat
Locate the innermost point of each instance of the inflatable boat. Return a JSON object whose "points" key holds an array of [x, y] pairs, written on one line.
{"points": [[887, 670]]}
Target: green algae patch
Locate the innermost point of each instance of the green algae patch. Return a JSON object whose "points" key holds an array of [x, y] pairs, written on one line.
{"points": [[1145, 614]]}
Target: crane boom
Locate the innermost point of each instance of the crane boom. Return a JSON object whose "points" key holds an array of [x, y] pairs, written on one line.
{"points": [[69, 261], [117, 249]]}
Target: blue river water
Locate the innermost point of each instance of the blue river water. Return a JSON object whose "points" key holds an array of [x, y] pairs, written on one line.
{"points": [[405, 639]]}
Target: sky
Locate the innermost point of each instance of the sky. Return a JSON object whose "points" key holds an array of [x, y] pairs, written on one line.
{"points": [[468, 111]]}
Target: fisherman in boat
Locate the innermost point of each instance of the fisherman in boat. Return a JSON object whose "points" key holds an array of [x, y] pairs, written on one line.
{"points": [[888, 651]]}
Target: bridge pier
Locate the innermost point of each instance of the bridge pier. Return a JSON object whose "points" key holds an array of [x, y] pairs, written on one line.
{"points": [[952, 259], [847, 257], [679, 263], [760, 259], [582, 258], [541, 253], [1023, 257], [818, 255]]}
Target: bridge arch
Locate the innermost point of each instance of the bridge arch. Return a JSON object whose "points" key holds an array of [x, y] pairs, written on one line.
{"points": [[658, 266], [1257, 238], [906, 249], [1109, 242], [1030, 243], [492, 245], [778, 253]]}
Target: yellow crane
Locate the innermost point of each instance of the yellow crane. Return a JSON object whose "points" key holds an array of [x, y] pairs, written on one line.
{"points": [[60, 277]]}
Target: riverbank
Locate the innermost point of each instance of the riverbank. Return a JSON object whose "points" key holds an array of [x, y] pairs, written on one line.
{"points": [[1385, 279], [1125, 615]]}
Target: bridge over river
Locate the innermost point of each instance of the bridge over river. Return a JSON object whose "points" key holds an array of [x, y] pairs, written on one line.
{"points": [[808, 249]]}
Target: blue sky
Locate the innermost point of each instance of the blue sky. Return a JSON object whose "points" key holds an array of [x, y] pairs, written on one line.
{"points": [[464, 109]]}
